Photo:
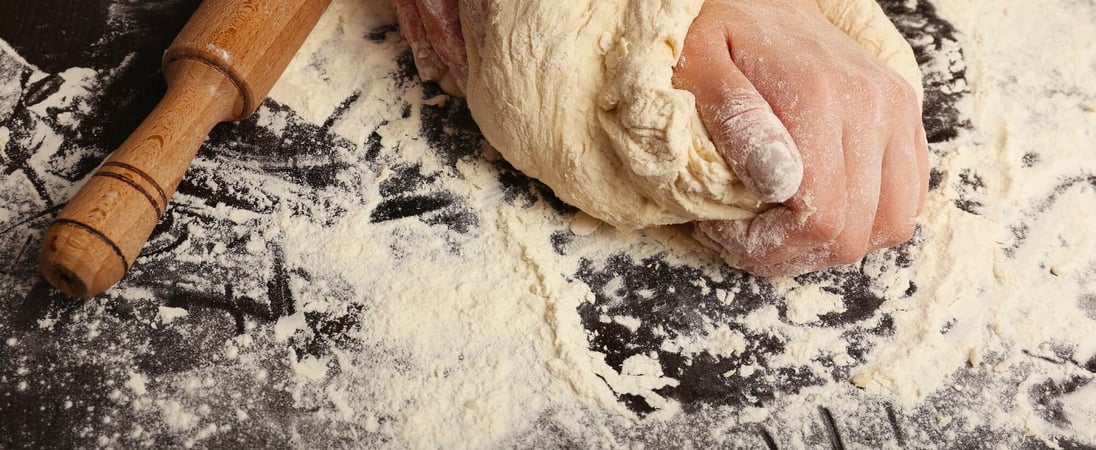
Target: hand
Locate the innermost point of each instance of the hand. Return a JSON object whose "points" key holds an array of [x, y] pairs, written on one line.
{"points": [[432, 28], [775, 82]]}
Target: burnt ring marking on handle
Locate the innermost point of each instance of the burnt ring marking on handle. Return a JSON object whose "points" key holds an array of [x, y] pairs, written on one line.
{"points": [[96, 233], [249, 101], [136, 186], [143, 175]]}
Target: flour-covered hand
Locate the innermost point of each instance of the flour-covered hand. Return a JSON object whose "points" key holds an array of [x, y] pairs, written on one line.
{"points": [[433, 30], [776, 82]]}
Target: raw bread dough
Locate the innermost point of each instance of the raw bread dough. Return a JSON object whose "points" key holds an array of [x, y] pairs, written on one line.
{"points": [[578, 94]]}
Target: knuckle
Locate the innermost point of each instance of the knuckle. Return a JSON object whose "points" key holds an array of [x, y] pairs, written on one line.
{"points": [[822, 227], [826, 92], [882, 95], [896, 91], [897, 94]]}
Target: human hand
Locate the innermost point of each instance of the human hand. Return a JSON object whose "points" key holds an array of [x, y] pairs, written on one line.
{"points": [[775, 82], [432, 29]]}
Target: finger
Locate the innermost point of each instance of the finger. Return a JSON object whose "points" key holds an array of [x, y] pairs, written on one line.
{"points": [[740, 122], [810, 261], [429, 65], [441, 21], [865, 152], [899, 194], [774, 236]]}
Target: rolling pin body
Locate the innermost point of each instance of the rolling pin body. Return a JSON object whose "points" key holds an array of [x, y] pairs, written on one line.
{"points": [[218, 69]]}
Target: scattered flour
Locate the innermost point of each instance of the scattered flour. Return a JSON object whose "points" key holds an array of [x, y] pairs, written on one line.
{"points": [[168, 315], [806, 303]]}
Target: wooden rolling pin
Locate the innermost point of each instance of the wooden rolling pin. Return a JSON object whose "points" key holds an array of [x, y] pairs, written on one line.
{"points": [[219, 68]]}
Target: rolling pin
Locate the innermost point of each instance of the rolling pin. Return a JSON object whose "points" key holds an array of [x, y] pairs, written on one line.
{"points": [[219, 69]]}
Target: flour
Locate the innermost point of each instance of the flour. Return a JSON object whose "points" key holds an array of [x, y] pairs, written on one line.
{"points": [[168, 315], [807, 303], [715, 340], [325, 308]]}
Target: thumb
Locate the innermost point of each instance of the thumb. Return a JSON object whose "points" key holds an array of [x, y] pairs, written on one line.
{"points": [[740, 122]]}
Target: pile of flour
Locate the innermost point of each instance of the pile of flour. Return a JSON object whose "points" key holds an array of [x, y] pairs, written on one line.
{"points": [[499, 317]]}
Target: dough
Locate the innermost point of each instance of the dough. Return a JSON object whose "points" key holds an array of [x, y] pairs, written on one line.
{"points": [[578, 94]]}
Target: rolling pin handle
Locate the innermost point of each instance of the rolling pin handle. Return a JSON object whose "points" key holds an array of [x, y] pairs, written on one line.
{"points": [[92, 243], [220, 67]]}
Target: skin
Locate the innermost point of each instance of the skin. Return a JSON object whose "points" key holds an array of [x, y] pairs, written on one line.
{"points": [[807, 118]]}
